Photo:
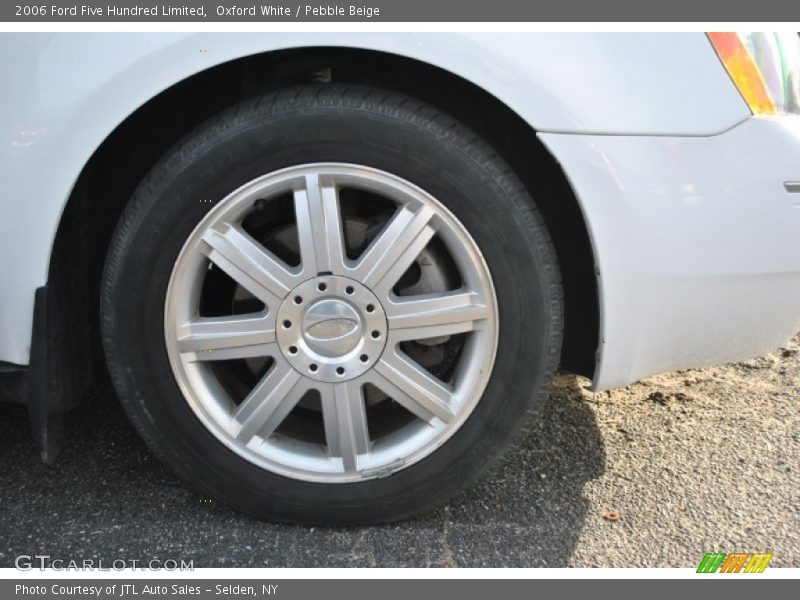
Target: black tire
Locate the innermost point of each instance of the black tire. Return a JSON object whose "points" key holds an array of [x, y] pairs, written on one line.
{"points": [[321, 123]]}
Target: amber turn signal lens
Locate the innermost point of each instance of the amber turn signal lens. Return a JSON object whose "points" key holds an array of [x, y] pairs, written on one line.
{"points": [[744, 71]]}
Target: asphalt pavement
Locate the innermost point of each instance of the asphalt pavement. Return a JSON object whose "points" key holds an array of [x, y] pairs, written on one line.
{"points": [[653, 475]]}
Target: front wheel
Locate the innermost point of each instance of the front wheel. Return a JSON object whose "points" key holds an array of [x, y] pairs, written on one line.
{"points": [[331, 305]]}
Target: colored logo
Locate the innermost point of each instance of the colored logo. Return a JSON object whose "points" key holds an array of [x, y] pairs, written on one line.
{"points": [[737, 562]]}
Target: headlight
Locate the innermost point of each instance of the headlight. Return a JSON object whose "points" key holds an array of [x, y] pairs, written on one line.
{"points": [[765, 67]]}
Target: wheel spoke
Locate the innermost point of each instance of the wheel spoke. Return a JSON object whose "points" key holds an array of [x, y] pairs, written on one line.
{"points": [[345, 421], [269, 403], [226, 338], [394, 250], [249, 264], [434, 315], [319, 227], [413, 387]]}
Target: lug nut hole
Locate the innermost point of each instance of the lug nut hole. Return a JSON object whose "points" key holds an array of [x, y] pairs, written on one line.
{"points": [[364, 358], [298, 299], [313, 367], [349, 289], [340, 370], [287, 324], [292, 350], [376, 334], [370, 308], [322, 286]]}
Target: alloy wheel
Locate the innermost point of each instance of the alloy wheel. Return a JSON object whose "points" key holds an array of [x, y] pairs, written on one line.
{"points": [[316, 368]]}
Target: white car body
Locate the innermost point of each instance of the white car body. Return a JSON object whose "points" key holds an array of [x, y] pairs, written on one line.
{"points": [[696, 239]]}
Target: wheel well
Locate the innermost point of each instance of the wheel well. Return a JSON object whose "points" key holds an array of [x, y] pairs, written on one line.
{"points": [[132, 149]]}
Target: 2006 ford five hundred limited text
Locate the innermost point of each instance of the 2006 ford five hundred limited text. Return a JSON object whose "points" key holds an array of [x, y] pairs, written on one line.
{"points": [[332, 274]]}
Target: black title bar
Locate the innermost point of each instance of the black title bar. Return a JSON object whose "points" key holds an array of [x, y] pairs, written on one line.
{"points": [[106, 11]]}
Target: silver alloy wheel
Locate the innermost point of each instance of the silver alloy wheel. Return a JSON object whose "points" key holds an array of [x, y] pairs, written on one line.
{"points": [[333, 324]]}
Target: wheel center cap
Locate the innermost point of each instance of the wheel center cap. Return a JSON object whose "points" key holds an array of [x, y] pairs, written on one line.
{"points": [[331, 327]]}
